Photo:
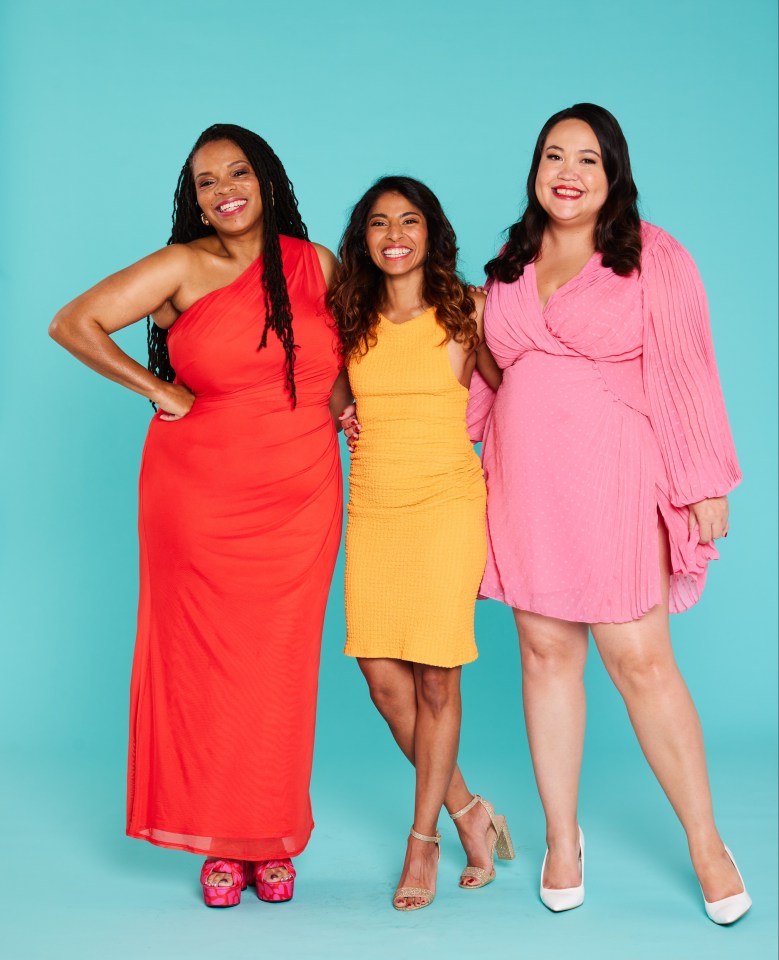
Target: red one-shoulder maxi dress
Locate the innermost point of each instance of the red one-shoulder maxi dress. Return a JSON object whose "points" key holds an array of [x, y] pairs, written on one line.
{"points": [[240, 521]]}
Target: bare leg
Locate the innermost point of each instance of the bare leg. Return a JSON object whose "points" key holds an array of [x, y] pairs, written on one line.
{"points": [[553, 657], [640, 660], [394, 693], [436, 738]]}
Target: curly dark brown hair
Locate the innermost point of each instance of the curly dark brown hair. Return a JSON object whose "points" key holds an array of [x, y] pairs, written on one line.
{"points": [[280, 217], [618, 228], [356, 294]]}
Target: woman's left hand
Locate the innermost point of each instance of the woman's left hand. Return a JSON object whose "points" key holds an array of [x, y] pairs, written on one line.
{"points": [[711, 518]]}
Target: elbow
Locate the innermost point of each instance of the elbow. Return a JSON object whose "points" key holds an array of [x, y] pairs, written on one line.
{"points": [[57, 327], [61, 328], [496, 378]]}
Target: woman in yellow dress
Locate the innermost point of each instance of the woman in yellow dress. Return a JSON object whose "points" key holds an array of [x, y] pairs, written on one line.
{"points": [[416, 534]]}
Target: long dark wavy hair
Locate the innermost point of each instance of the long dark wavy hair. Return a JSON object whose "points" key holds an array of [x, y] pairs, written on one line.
{"points": [[618, 227], [280, 216], [358, 287]]}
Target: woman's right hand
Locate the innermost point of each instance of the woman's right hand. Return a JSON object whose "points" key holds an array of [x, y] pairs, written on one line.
{"points": [[174, 401], [350, 426]]}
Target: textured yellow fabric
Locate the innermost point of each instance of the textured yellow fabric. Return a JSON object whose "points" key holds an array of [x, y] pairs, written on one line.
{"points": [[416, 536]]}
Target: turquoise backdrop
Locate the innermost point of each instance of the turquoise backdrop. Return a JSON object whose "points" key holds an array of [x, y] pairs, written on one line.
{"points": [[101, 103]]}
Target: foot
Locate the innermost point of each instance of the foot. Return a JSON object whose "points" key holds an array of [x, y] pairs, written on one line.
{"points": [[477, 835], [420, 869], [563, 865], [219, 879], [275, 874], [716, 872]]}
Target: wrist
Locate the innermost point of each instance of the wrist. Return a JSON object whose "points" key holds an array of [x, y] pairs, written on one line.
{"points": [[160, 390]]}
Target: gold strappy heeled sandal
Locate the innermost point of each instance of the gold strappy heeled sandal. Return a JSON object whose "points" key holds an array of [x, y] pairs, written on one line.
{"points": [[418, 892], [502, 843]]}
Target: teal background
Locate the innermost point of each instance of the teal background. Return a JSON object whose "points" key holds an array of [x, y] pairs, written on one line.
{"points": [[101, 103]]}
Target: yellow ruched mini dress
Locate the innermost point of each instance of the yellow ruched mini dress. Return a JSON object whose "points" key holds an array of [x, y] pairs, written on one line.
{"points": [[416, 541]]}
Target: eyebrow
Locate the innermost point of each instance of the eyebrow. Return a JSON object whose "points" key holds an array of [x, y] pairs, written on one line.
{"points": [[553, 146], [408, 213], [233, 163]]}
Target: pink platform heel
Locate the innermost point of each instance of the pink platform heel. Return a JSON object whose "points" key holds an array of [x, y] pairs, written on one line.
{"points": [[227, 895], [274, 891]]}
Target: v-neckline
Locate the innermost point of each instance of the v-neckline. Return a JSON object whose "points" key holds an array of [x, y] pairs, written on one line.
{"points": [[543, 306]]}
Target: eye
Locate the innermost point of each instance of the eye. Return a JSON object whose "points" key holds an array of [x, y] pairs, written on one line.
{"points": [[377, 223], [204, 183], [411, 220], [589, 160], [553, 156], [240, 173]]}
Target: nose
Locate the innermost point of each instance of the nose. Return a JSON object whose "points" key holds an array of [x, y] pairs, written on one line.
{"points": [[394, 230], [224, 186], [568, 169]]}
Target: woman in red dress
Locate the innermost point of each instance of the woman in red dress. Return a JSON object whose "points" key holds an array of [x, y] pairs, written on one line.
{"points": [[240, 512]]}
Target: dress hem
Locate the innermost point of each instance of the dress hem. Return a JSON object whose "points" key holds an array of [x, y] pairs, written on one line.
{"points": [[406, 659], [526, 608], [285, 854]]}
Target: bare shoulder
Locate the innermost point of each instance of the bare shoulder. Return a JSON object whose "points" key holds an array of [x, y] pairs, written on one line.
{"points": [[176, 257], [327, 261], [479, 299], [168, 267]]}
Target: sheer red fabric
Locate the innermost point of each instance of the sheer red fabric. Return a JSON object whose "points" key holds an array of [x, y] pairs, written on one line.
{"points": [[240, 521]]}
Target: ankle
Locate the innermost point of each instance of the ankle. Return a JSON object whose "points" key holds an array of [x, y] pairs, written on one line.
{"points": [[430, 836], [706, 847], [458, 801], [563, 836]]}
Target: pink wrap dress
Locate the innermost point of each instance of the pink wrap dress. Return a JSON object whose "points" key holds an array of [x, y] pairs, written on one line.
{"points": [[610, 414]]}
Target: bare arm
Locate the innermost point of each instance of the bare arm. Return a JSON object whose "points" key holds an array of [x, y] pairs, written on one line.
{"points": [[84, 326], [341, 393], [340, 398], [485, 362], [327, 262]]}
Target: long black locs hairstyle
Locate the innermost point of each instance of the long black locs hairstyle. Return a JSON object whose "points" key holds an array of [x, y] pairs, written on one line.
{"points": [[280, 216], [618, 228]]}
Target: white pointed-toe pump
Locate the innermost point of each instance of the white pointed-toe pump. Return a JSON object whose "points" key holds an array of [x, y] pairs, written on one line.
{"points": [[729, 909], [569, 897]]}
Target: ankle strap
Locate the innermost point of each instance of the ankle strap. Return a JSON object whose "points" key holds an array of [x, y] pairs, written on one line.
{"points": [[420, 836], [468, 806]]}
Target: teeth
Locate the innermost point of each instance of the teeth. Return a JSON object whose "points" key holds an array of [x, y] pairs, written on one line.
{"points": [[565, 192], [392, 252], [233, 205]]}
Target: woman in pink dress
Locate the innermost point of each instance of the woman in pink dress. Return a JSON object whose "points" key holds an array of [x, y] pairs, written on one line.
{"points": [[608, 458]]}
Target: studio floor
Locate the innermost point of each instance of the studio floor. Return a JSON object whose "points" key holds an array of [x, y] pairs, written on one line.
{"points": [[83, 890]]}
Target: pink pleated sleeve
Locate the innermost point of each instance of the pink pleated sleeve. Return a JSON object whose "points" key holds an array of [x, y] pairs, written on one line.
{"points": [[686, 406]]}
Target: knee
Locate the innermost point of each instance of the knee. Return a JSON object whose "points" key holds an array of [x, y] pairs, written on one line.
{"points": [[436, 690], [641, 669], [542, 656], [387, 697]]}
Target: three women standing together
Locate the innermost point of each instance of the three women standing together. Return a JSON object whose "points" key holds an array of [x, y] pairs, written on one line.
{"points": [[607, 458]]}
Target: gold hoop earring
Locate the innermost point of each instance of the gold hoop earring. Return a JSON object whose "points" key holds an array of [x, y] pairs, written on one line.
{"points": [[204, 219]]}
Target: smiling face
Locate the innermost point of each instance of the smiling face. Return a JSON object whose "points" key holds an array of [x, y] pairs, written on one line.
{"points": [[571, 184], [396, 235], [227, 189]]}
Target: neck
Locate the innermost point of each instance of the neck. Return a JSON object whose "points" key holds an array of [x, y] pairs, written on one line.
{"points": [[569, 238], [403, 294], [244, 248]]}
